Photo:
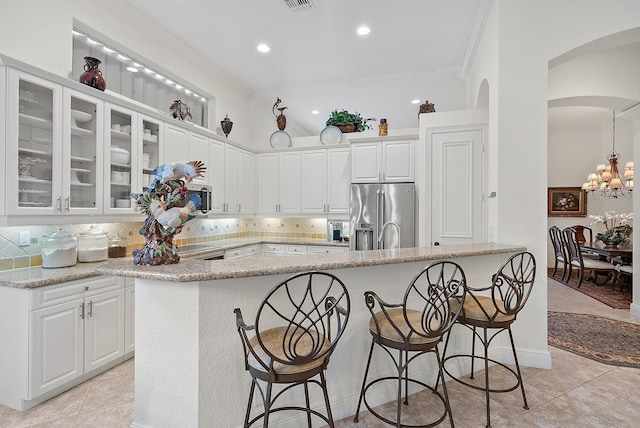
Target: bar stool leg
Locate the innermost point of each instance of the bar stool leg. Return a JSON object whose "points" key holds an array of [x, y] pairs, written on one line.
{"points": [[406, 378], [473, 352], [267, 406], [364, 382], [486, 377], [326, 401], [515, 358], [248, 414], [444, 386], [306, 399]]}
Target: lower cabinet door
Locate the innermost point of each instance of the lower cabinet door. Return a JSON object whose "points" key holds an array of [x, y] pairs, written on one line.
{"points": [[57, 346], [129, 319], [104, 328]]}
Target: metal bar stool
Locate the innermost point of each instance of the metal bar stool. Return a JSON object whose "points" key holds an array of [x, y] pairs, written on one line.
{"points": [[507, 295], [415, 326], [293, 340]]}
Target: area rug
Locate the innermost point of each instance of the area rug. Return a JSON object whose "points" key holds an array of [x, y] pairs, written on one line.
{"points": [[603, 293], [601, 339]]}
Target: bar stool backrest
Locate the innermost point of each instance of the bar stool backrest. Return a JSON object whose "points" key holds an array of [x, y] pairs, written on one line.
{"points": [[512, 284], [303, 305], [430, 293]]}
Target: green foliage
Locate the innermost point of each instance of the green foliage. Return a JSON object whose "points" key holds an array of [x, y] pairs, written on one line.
{"points": [[343, 117]]}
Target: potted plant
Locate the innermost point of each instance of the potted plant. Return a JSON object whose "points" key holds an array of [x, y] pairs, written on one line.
{"points": [[617, 228], [347, 122]]}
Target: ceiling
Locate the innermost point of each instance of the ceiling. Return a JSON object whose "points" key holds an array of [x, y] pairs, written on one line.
{"points": [[316, 57]]}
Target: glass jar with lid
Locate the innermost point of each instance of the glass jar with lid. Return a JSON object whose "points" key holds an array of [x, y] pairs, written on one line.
{"points": [[59, 249], [117, 246], [92, 245]]}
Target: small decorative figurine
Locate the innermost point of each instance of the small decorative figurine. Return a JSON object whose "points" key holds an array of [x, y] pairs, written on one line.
{"points": [[226, 125], [163, 203], [281, 119], [180, 110], [382, 128], [427, 107], [92, 75]]}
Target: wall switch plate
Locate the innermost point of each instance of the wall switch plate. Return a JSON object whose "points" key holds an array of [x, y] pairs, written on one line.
{"points": [[25, 238]]}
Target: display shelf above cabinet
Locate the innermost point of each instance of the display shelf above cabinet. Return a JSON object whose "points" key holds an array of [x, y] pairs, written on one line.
{"points": [[35, 122]]}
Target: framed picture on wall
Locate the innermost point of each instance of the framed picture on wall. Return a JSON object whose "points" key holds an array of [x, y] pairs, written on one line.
{"points": [[566, 202]]}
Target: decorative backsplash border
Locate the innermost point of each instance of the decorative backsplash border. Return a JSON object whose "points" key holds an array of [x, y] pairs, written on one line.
{"points": [[197, 231]]}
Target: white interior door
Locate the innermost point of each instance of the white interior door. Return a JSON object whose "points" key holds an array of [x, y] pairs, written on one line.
{"points": [[456, 187]]}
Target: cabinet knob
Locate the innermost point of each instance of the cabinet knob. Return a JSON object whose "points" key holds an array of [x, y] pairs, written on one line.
{"points": [[86, 288]]}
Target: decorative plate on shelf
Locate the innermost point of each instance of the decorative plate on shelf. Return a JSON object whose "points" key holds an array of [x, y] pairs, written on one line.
{"points": [[280, 140], [331, 135]]}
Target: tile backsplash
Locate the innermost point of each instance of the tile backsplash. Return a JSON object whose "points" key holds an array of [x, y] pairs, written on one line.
{"points": [[15, 256]]}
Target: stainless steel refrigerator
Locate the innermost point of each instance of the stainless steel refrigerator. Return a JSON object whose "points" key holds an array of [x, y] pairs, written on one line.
{"points": [[382, 216]]}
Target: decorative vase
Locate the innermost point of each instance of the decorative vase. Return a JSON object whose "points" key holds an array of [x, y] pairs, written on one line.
{"points": [[92, 75], [347, 128], [226, 125], [382, 128], [281, 119]]}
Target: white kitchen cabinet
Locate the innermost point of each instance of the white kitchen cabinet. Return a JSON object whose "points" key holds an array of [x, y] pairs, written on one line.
{"points": [[77, 327], [230, 179], [295, 250], [279, 185], [129, 316], [217, 175], [181, 145], [246, 182], [325, 181], [382, 161], [273, 250], [53, 148]]}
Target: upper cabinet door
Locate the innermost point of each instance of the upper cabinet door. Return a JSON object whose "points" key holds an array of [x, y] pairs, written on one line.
{"points": [[267, 183], [33, 151], [121, 160], [314, 181], [289, 187], [216, 173], [246, 182], [150, 151], [366, 162], [199, 151], [398, 161], [176, 140], [83, 164], [338, 180]]}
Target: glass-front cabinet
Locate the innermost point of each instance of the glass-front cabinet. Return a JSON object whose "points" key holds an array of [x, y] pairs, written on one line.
{"points": [[121, 169], [52, 148], [150, 153], [83, 118]]}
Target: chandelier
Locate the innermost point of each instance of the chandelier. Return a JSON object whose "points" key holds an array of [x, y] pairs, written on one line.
{"points": [[607, 179]]}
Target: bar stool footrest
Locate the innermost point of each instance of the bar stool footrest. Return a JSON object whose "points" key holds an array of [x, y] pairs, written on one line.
{"points": [[481, 387]]}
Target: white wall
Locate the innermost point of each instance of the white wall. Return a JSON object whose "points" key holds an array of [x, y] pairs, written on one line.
{"points": [[520, 38], [39, 33]]}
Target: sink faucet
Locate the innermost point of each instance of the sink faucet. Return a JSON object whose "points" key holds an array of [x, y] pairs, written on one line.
{"points": [[384, 226]]}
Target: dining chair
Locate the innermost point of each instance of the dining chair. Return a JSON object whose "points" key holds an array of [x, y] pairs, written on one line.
{"points": [[584, 235], [297, 327], [560, 251], [432, 302], [494, 307], [576, 259]]}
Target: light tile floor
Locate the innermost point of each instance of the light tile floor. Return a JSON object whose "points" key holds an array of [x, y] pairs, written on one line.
{"points": [[577, 392]]}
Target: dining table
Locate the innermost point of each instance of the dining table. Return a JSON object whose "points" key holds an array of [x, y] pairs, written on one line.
{"points": [[609, 253]]}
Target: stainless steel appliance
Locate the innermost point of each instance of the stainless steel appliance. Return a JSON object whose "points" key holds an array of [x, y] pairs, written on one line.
{"points": [[205, 195], [382, 216]]}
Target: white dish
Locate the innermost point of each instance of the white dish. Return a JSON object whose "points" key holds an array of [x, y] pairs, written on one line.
{"points": [[79, 116], [123, 203], [119, 155], [331, 135], [280, 140]]}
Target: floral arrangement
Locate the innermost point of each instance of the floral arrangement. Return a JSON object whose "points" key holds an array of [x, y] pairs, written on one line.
{"points": [[618, 229]]}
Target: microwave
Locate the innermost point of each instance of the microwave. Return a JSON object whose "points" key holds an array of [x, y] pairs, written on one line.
{"points": [[205, 195]]}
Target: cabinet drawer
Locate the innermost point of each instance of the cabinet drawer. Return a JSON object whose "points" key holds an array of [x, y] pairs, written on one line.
{"points": [[274, 249], [321, 249], [65, 292], [294, 250], [232, 254], [252, 250]]}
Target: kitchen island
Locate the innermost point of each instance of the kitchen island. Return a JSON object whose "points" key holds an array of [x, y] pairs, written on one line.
{"points": [[189, 362]]}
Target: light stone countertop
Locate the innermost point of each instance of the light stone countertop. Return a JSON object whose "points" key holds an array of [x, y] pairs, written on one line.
{"points": [[204, 270], [191, 269], [34, 277]]}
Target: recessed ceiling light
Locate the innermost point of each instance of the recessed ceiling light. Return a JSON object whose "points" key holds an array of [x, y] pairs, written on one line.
{"points": [[315, 112], [263, 48], [416, 101], [122, 57], [132, 69], [364, 30], [148, 70], [108, 50]]}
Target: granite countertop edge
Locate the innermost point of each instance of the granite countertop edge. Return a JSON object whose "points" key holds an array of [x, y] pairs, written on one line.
{"points": [[191, 269]]}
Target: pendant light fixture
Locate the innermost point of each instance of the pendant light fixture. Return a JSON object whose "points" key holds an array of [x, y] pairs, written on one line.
{"points": [[606, 181]]}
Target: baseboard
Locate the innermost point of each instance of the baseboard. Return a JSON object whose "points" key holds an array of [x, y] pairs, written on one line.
{"points": [[527, 358], [634, 310]]}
